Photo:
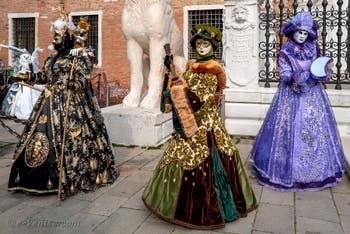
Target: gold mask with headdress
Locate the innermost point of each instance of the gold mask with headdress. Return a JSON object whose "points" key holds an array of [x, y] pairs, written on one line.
{"points": [[77, 32]]}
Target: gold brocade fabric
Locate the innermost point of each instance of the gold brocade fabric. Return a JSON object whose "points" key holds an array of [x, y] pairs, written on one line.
{"points": [[193, 151], [63, 142]]}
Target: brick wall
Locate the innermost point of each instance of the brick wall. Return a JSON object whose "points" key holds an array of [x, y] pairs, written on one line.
{"points": [[114, 56]]}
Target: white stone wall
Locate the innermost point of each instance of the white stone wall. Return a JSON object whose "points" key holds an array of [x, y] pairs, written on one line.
{"points": [[245, 110]]}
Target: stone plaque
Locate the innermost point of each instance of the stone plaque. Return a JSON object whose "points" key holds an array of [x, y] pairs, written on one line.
{"points": [[240, 47]]}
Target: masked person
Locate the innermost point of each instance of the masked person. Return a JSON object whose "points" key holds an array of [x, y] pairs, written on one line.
{"points": [[200, 181], [75, 152], [298, 147], [20, 99]]}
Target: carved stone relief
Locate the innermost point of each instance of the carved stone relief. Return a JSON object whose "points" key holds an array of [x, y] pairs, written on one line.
{"points": [[239, 46]]}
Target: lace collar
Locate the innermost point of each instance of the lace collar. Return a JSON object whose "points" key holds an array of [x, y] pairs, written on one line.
{"points": [[304, 51]]}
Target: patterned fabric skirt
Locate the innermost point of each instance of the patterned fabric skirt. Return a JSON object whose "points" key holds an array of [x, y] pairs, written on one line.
{"points": [[298, 147], [206, 197], [74, 152]]}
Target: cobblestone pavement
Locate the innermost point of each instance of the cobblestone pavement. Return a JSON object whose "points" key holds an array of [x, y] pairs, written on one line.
{"points": [[118, 208]]}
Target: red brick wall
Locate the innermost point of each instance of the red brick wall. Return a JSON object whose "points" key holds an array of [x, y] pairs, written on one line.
{"points": [[114, 56]]}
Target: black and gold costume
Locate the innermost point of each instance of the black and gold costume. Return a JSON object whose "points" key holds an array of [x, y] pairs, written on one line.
{"points": [[65, 140]]}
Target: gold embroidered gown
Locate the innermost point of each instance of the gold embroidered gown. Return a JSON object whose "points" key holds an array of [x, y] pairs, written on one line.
{"points": [[63, 127], [200, 181]]}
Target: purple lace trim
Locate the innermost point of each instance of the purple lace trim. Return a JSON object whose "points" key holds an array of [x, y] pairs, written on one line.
{"points": [[297, 186]]}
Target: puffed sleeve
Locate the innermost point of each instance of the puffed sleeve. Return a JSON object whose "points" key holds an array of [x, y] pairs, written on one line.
{"points": [[81, 72], [286, 72], [41, 76]]}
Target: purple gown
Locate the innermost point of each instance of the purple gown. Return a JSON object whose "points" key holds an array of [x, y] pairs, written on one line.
{"points": [[298, 147]]}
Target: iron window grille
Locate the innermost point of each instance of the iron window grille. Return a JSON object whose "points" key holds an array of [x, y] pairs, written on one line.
{"points": [[211, 17], [333, 36], [23, 33], [92, 40]]}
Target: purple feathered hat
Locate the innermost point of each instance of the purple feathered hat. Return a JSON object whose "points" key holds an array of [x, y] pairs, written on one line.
{"points": [[301, 22]]}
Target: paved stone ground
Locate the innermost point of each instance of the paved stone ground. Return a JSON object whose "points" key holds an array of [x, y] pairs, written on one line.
{"points": [[118, 208]]}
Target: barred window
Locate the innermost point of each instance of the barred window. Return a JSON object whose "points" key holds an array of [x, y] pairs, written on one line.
{"points": [[92, 40], [23, 33], [211, 17]]}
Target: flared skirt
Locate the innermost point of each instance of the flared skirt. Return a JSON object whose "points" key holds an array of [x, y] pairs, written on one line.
{"points": [[298, 147], [206, 197]]}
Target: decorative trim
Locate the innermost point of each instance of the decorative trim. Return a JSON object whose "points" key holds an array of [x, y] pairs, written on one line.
{"points": [[32, 190], [37, 150], [30, 131]]}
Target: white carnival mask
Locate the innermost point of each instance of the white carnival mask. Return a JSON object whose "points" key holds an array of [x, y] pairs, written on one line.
{"points": [[300, 36], [203, 47]]}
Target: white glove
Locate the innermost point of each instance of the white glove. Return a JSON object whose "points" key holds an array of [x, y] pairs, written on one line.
{"points": [[76, 52], [35, 60], [25, 61]]}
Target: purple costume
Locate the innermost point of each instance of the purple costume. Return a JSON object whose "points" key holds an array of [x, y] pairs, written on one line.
{"points": [[298, 147]]}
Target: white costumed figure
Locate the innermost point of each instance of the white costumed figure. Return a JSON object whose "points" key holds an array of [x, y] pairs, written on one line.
{"points": [[19, 100]]}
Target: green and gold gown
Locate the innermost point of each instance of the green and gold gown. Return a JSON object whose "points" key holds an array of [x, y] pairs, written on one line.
{"points": [[64, 136], [200, 182]]}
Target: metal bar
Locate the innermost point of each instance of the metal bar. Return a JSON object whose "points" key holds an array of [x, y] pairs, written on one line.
{"points": [[339, 35], [348, 41], [295, 7], [324, 25], [12, 131], [281, 7], [309, 5], [99, 86], [107, 96], [267, 37], [105, 84]]}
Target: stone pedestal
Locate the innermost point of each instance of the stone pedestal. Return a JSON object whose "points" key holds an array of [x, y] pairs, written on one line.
{"points": [[137, 126]]}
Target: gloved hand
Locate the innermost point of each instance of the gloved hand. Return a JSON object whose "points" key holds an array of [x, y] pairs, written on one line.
{"points": [[301, 77], [76, 51], [300, 88], [73, 86], [20, 76], [303, 82]]}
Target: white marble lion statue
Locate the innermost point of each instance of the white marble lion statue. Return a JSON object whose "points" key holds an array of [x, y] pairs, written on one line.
{"points": [[148, 25]]}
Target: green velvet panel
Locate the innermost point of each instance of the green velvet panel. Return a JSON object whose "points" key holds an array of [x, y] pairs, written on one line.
{"points": [[162, 191], [223, 190], [243, 194], [247, 190]]}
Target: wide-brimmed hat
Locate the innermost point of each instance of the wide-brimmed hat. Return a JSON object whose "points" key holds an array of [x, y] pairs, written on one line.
{"points": [[208, 32], [301, 22]]}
